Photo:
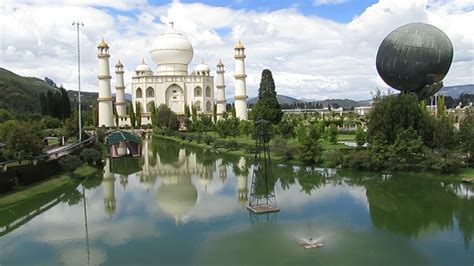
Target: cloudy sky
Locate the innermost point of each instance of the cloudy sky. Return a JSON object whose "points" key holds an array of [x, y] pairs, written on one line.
{"points": [[316, 49]]}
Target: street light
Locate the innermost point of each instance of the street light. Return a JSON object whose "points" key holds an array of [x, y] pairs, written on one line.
{"points": [[78, 24]]}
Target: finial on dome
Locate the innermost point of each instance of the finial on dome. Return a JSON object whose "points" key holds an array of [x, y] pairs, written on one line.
{"points": [[239, 45], [119, 64], [102, 44], [202, 60], [220, 63], [171, 24], [143, 61]]}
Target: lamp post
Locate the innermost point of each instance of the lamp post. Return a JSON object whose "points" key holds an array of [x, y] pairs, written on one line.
{"points": [[78, 24]]}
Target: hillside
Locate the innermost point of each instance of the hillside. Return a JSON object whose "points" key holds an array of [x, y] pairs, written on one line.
{"points": [[21, 94], [455, 91], [89, 99], [282, 99]]}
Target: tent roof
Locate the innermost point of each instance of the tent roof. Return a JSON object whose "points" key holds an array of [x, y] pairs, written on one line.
{"points": [[119, 136]]}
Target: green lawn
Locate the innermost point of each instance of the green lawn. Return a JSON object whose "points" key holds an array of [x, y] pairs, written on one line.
{"points": [[46, 186]]}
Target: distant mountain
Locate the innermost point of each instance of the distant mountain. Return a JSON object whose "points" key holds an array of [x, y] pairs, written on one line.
{"points": [[282, 99], [21, 94], [89, 99], [455, 91]]}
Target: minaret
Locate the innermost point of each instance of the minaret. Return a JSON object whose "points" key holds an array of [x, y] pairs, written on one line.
{"points": [[120, 103], [220, 85], [239, 83], [105, 94], [108, 186]]}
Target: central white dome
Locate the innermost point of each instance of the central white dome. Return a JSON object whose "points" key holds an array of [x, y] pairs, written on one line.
{"points": [[172, 47]]}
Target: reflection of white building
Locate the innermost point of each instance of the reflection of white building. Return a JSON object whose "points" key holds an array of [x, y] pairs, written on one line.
{"points": [[242, 186], [108, 186], [171, 83], [176, 196]]}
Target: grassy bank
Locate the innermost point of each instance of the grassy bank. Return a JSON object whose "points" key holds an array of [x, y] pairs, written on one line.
{"points": [[327, 146], [46, 186]]}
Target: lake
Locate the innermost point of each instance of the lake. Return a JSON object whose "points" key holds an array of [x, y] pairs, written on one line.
{"points": [[187, 206]]}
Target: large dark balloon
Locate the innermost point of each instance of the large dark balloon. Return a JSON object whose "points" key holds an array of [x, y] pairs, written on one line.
{"points": [[415, 58]]}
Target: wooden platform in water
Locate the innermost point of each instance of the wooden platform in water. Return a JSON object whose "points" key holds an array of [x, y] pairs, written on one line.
{"points": [[263, 208]]}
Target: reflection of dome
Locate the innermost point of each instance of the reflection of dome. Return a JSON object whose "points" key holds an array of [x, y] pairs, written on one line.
{"points": [[143, 67], [172, 47], [414, 56], [176, 198]]}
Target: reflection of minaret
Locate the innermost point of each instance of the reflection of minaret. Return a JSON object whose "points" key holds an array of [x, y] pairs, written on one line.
{"points": [[242, 189], [124, 181], [147, 178], [223, 172], [108, 186]]}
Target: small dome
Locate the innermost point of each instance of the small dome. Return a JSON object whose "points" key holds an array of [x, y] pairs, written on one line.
{"points": [[172, 47], [143, 67], [102, 45], [239, 45], [220, 63], [119, 64], [202, 67]]}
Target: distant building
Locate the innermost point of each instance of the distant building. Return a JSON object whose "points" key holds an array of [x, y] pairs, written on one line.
{"points": [[362, 110], [171, 83]]}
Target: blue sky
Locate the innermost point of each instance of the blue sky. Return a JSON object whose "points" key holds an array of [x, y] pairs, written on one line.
{"points": [[340, 12]]}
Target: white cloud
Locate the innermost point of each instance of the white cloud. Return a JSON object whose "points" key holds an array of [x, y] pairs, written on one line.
{"points": [[310, 57]]}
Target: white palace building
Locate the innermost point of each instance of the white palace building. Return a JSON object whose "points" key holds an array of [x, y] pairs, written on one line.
{"points": [[170, 84]]}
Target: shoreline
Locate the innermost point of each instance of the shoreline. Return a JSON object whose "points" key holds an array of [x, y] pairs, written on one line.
{"points": [[457, 177]]}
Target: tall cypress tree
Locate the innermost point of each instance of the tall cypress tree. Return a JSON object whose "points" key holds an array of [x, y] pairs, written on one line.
{"points": [[138, 115], [132, 115], [267, 106], [66, 103]]}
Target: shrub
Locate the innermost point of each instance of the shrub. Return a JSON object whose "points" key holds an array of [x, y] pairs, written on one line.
{"points": [[360, 136], [219, 144], [91, 156], [70, 162], [208, 139], [281, 148], [334, 158], [100, 132], [232, 145]]}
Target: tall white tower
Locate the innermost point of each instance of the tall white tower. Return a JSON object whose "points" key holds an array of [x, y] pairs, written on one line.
{"points": [[239, 83], [120, 103], [105, 93], [220, 85]]}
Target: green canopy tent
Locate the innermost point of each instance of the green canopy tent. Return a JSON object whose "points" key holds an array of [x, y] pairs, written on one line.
{"points": [[123, 143]]}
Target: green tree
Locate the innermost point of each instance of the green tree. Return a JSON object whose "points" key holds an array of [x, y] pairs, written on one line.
{"points": [[311, 149], [394, 113], [214, 113], [138, 114], [466, 135], [70, 162], [234, 112], [133, 121], [360, 136], [166, 118], [441, 106], [24, 141], [91, 156], [267, 106], [206, 123], [332, 133], [153, 114], [194, 113]]}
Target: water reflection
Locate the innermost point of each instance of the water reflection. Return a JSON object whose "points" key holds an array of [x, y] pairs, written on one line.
{"points": [[373, 218]]}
